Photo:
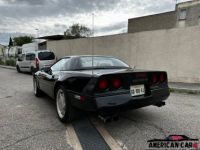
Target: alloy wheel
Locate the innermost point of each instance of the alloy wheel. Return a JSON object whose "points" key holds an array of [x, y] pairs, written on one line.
{"points": [[61, 103]]}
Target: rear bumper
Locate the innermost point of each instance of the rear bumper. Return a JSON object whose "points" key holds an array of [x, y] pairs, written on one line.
{"points": [[126, 101], [120, 102]]}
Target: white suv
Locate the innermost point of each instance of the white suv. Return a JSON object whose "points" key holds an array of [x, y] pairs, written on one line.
{"points": [[34, 61]]}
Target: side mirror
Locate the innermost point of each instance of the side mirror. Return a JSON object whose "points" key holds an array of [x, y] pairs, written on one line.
{"points": [[46, 69]]}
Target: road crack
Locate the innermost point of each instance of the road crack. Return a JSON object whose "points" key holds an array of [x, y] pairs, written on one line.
{"points": [[5, 97], [28, 137], [148, 123]]}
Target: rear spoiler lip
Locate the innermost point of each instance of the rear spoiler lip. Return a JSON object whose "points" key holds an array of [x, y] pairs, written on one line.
{"points": [[130, 72]]}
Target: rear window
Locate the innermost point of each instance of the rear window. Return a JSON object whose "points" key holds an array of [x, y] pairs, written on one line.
{"points": [[46, 56], [101, 62], [30, 56]]}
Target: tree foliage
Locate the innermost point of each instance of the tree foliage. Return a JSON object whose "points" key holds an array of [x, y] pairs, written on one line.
{"points": [[19, 41], [78, 31]]}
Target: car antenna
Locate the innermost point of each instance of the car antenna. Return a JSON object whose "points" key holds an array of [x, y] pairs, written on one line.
{"points": [[92, 43]]}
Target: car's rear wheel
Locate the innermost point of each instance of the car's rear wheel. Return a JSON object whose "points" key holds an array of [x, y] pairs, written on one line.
{"points": [[36, 90], [18, 69], [65, 111]]}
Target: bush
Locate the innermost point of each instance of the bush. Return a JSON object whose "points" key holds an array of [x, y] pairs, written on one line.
{"points": [[10, 62]]}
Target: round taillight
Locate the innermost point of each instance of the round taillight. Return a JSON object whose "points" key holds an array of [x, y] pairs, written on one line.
{"points": [[103, 84], [154, 78], [116, 83]]}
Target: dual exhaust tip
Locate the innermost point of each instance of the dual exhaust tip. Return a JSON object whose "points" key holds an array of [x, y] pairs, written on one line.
{"points": [[160, 104], [108, 118]]}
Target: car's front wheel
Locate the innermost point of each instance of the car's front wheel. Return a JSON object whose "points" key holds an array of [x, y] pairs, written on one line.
{"points": [[36, 90], [65, 111]]}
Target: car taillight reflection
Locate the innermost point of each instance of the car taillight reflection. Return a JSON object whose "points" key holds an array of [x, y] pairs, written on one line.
{"points": [[103, 84], [154, 78], [158, 78], [162, 78], [37, 63], [116, 83]]}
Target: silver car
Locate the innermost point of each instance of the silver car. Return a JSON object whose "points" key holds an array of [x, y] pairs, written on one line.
{"points": [[34, 61]]}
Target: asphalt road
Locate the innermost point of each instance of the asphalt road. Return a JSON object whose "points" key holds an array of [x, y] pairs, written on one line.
{"points": [[27, 122]]}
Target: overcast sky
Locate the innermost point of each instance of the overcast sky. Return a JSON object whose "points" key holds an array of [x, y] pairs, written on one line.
{"points": [[55, 16]]}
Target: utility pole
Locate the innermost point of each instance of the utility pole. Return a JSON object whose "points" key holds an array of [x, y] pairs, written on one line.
{"points": [[37, 42], [37, 32], [92, 42], [176, 2]]}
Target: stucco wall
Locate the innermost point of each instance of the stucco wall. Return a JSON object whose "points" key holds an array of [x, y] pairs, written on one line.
{"points": [[176, 50], [192, 12]]}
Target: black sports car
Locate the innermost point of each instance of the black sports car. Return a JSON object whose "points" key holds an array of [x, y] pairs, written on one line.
{"points": [[100, 84]]}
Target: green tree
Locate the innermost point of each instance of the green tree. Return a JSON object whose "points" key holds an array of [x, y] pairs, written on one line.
{"points": [[10, 42], [78, 31], [10, 45], [19, 41]]}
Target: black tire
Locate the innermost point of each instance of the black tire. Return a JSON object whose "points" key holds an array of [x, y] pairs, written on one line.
{"points": [[70, 112], [37, 91], [18, 69]]}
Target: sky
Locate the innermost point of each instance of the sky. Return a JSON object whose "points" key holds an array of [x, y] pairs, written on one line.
{"points": [[50, 17]]}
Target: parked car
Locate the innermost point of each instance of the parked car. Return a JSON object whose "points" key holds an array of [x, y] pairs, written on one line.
{"points": [[101, 84], [34, 61]]}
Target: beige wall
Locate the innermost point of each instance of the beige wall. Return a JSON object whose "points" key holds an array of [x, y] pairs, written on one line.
{"points": [[176, 50]]}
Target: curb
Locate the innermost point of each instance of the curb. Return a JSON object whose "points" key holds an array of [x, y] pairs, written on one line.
{"points": [[7, 67], [184, 90]]}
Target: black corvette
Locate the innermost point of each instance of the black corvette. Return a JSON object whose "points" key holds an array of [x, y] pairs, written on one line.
{"points": [[99, 84]]}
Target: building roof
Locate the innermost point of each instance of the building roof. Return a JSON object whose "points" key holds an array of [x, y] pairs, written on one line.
{"points": [[153, 15], [188, 3], [52, 37], [42, 43], [56, 37]]}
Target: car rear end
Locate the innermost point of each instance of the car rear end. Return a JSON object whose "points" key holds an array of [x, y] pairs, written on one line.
{"points": [[111, 93], [44, 58], [117, 92]]}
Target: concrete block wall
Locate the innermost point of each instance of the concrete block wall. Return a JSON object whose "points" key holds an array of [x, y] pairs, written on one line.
{"points": [[153, 22], [176, 51]]}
